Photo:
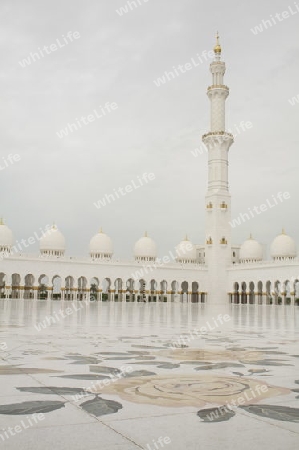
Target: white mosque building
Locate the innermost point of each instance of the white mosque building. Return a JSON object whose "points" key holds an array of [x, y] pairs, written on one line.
{"points": [[216, 272]]}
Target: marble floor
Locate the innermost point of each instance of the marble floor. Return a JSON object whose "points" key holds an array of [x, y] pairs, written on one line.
{"points": [[76, 375]]}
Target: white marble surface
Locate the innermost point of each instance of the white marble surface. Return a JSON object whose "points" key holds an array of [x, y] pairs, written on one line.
{"points": [[258, 343]]}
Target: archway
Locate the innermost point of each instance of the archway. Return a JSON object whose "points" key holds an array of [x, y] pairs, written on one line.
{"points": [[153, 291], [69, 288], [251, 293], [269, 300], [277, 293], [195, 293], [43, 287], [174, 291], [15, 285], [163, 291], [296, 292], [56, 287], [236, 294], [29, 286], [82, 288], [3, 284], [260, 293], [243, 294], [287, 292], [94, 289], [106, 290], [184, 291]]}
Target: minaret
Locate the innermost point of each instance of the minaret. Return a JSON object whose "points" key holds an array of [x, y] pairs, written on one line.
{"points": [[218, 200]]}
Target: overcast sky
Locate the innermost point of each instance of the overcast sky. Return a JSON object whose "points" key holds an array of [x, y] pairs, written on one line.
{"points": [[116, 59]]}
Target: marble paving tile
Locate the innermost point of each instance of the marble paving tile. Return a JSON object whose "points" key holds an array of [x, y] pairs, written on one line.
{"points": [[92, 436], [258, 346], [186, 431]]}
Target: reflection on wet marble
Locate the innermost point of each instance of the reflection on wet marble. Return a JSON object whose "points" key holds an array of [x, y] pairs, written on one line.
{"points": [[76, 372]]}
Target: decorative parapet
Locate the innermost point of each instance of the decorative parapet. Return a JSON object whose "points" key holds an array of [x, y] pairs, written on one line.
{"points": [[218, 86], [218, 133]]}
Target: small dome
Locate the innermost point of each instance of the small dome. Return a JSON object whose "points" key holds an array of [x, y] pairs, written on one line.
{"points": [[145, 249], [52, 243], [251, 250], [186, 252], [283, 247], [217, 48], [6, 237], [100, 246]]}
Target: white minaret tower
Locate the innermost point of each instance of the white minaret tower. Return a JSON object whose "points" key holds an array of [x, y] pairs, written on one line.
{"points": [[218, 200]]}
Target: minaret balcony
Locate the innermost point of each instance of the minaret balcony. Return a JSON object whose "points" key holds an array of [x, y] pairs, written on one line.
{"points": [[225, 135], [218, 86]]}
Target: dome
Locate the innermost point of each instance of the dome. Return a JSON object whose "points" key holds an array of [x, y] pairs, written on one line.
{"points": [[6, 237], [283, 247], [52, 242], [251, 250], [186, 252], [100, 246], [145, 249]]}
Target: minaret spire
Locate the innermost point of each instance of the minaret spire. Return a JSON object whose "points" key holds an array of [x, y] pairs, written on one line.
{"points": [[217, 137], [218, 202], [217, 48]]}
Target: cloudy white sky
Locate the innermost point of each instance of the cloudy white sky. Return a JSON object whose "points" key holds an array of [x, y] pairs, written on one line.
{"points": [[154, 128]]}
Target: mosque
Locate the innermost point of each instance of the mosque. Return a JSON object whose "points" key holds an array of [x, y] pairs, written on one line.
{"points": [[216, 272]]}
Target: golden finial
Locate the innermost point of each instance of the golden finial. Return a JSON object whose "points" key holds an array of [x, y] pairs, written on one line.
{"points": [[250, 236], [283, 231], [186, 237], [145, 234], [1, 221], [101, 230], [217, 48], [54, 227]]}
